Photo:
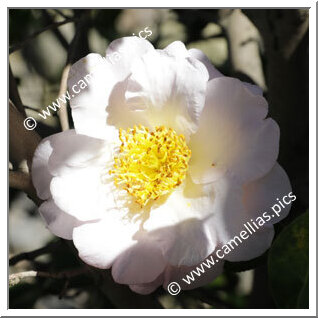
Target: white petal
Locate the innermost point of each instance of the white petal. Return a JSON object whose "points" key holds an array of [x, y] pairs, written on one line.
{"points": [[57, 221], [142, 263], [233, 136], [181, 275], [82, 194], [258, 198], [177, 49], [214, 73], [261, 195], [124, 52], [254, 89], [178, 224], [145, 289], [167, 90], [100, 243], [41, 177], [199, 55], [252, 246], [230, 216], [71, 150], [104, 75], [227, 215], [89, 104]]}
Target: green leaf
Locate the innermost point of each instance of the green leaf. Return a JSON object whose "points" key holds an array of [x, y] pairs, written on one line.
{"points": [[288, 264]]}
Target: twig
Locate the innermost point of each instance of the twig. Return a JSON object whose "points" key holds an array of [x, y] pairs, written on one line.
{"points": [[63, 116], [18, 277], [30, 256], [21, 181], [55, 25], [58, 34], [74, 52], [62, 14]]}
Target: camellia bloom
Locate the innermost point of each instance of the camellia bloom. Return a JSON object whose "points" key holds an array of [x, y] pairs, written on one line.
{"points": [[167, 161]]}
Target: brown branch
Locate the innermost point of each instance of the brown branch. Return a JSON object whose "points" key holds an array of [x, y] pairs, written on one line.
{"points": [[14, 93], [22, 142], [16, 278], [52, 26], [21, 181], [30, 256]]}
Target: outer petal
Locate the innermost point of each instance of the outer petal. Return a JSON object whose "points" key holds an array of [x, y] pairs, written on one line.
{"points": [[253, 246], [71, 150], [214, 73], [178, 224], [142, 263], [182, 275], [258, 198], [168, 90], [89, 103], [233, 136], [58, 222], [234, 208], [100, 243], [147, 288], [41, 177], [199, 55], [261, 195]]}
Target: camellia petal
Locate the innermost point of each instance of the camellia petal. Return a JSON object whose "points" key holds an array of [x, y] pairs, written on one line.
{"points": [[71, 151], [141, 263], [182, 215], [41, 176], [182, 275], [58, 222], [90, 83], [147, 288], [264, 195], [233, 137], [171, 94], [100, 243]]}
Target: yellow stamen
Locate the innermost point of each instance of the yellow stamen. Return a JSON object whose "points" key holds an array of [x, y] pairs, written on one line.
{"points": [[150, 164]]}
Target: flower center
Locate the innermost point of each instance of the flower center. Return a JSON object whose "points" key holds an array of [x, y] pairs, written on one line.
{"points": [[150, 163]]}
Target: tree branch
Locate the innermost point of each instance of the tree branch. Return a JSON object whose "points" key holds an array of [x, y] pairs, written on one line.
{"points": [[16, 278], [22, 142], [30, 256], [52, 26], [14, 93], [49, 20]]}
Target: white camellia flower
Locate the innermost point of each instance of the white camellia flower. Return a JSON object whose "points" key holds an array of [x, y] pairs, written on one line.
{"points": [[167, 161]]}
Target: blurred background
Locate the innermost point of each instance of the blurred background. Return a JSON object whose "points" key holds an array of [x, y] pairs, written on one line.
{"points": [[265, 47]]}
